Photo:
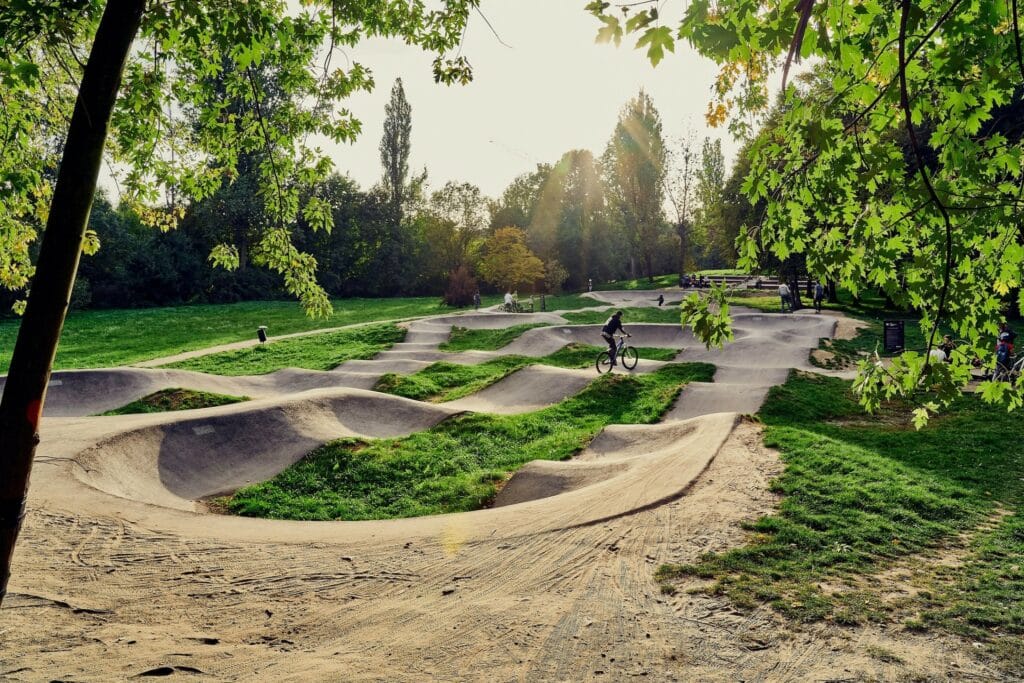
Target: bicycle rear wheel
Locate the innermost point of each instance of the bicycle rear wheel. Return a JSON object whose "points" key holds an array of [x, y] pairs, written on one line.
{"points": [[629, 357], [604, 362]]}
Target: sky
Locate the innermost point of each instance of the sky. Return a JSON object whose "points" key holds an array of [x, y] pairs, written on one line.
{"points": [[553, 89]]}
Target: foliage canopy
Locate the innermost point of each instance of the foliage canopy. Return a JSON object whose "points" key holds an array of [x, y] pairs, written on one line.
{"points": [[897, 164]]}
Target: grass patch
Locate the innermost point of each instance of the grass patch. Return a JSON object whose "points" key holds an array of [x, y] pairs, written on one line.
{"points": [[860, 495], [649, 314], [167, 400], [560, 302], [112, 337], [315, 352], [456, 466], [449, 381], [462, 339], [667, 280]]}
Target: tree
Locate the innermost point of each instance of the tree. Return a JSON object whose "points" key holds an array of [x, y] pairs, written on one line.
{"points": [[900, 170], [517, 203], [182, 43], [394, 148], [680, 180], [507, 262], [709, 228], [635, 166]]}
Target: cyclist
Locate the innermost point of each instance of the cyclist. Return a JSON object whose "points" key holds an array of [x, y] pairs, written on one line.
{"points": [[611, 326]]}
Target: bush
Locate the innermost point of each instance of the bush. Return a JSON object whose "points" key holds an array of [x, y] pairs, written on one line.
{"points": [[461, 287]]}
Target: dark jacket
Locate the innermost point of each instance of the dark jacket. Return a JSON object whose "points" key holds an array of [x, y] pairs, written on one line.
{"points": [[612, 326]]}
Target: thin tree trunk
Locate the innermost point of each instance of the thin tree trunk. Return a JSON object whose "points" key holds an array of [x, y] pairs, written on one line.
{"points": [[25, 390], [681, 231]]}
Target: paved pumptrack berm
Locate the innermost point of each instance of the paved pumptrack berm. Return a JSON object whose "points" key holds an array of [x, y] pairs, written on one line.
{"points": [[122, 572]]}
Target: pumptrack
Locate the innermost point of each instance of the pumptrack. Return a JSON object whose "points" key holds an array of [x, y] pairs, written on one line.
{"points": [[121, 571]]}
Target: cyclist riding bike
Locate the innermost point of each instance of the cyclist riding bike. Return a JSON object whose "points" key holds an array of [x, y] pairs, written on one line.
{"points": [[611, 326]]}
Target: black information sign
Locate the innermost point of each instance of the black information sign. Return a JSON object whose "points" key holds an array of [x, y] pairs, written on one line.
{"points": [[892, 339]]}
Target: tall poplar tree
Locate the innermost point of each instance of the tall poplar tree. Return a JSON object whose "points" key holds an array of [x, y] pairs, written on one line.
{"points": [[634, 169], [395, 145]]}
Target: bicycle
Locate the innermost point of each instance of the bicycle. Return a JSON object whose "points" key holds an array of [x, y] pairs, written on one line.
{"points": [[1010, 371], [627, 355]]}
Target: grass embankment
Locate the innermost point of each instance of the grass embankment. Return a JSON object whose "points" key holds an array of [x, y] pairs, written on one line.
{"points": [[667, 280], [457, 465], [647, 314], [448, 381], [167, 400], [108, 338], [315, 352], [462, 339], [863, 494]]}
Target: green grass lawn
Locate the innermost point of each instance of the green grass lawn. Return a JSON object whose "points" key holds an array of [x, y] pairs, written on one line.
{"points": [[456, 465], [448, 381], [315, 352], [108, 338], [861, 494], [167, 400], [645, 314], [462, 339]]}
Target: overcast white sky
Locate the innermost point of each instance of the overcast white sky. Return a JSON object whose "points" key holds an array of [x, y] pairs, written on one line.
{"points": [[552, 91]]}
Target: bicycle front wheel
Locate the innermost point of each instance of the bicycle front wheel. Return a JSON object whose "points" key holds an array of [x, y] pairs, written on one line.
{"points": [[629, 357], [604, 362]]}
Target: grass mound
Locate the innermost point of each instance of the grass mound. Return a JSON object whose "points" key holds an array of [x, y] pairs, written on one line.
{"points": [[445, 381], [456, 466], [462, 339], [315, 352], [862, 494], [167, 400]]}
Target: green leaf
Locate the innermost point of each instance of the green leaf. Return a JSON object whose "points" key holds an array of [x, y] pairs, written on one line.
{"points": [[657, 39], [611, 32]]}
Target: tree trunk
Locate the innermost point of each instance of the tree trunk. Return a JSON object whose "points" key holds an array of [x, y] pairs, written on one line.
{"points": [[681, 231], [794, 291], [830, 289], [632, 267], [29, 374], [649, 266]]}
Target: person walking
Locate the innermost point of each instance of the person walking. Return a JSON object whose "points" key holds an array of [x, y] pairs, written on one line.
{"points": [[785, 297], [476, 300], [611, 326], [819, 295], [590, 284]]}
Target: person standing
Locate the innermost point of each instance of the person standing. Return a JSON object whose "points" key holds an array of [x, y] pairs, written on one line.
{"points": [[590, 284], [819, 295], [476, 300], [611, 326], [509, 302], [785, 297]]}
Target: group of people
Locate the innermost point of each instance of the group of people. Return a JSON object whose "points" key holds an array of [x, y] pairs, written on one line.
{"points": [[699, 282], [787, 299], [1004, 351]]}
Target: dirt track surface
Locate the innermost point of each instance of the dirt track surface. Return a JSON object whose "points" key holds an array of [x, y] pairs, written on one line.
{"points": [[119, 572]]}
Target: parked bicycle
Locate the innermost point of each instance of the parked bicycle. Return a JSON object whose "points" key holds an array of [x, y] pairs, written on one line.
{"points": [[1009, 370], [627, 355]]}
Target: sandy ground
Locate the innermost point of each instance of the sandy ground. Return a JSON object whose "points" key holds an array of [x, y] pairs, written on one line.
{"points": [[121, 573]]}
